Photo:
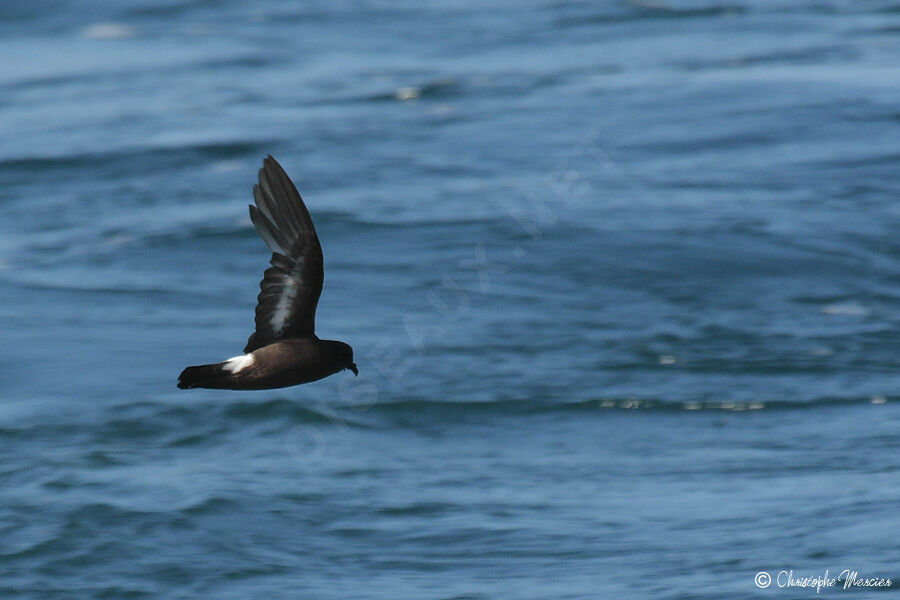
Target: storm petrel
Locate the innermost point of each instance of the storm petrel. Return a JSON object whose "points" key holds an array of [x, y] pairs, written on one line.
{"points": [[284, 349]]}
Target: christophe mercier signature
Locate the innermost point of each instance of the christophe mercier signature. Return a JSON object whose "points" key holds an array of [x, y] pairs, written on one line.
{"points": [[847, 579]]}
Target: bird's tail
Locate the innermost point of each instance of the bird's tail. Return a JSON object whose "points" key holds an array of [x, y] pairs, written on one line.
{"points": [[204, 376]]}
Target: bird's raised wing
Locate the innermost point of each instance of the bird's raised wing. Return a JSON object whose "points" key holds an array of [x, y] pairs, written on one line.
{"points": [[290, 288]]}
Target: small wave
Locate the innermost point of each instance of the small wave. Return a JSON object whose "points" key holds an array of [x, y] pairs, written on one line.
{"points": [[209, 506], [125, 162], [443, 410], [811, 55], [419, 509], [649, 10], [103, 512], [439, 88], [37, 548], [279, 408], [846, 309], [108, 31]]}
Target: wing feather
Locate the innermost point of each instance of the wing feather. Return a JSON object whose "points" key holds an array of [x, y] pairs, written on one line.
{"points": [[290, 288]]}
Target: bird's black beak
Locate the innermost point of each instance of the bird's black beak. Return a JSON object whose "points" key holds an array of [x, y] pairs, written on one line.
{"points": [[353, 368]]}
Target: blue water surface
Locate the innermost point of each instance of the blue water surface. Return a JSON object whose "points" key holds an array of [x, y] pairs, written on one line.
{"points": [[622, 279]]}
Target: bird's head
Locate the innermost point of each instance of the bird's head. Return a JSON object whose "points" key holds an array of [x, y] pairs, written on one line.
{"points": [[344, 356]]}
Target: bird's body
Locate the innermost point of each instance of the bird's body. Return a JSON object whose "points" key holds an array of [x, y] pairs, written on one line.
{"points": [[284, 350], [282, 364]]}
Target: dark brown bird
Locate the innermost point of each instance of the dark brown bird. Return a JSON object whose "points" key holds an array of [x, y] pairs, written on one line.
{"points": [[284, 349]]}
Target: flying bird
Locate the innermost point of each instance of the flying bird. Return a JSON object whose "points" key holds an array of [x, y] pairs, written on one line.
{"points": [[284, 349]]}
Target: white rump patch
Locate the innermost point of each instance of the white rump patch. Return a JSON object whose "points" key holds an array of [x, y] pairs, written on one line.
{"points": [[238, 363]]}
